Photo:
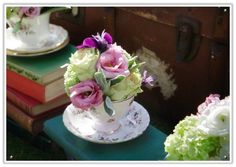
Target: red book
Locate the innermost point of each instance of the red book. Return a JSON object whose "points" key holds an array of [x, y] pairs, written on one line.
{"points": [[33, 107], [42, 93], [32, 124]]}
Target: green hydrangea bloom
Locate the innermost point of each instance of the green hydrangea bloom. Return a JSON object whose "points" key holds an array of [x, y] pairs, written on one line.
{"points": [[128, 87], [189, 143]]}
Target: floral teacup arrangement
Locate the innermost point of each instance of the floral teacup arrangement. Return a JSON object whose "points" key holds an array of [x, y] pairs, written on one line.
{"points": [[204, 136], [102, 79], [29, 26], [17, 17]]}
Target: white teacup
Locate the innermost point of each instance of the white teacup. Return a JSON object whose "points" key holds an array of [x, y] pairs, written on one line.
{"points": [[33, 32], [102, 122]]}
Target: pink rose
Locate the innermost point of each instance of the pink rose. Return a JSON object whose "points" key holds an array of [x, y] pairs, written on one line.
{"points": [[30, 12], [86, 94], [113, 62]]}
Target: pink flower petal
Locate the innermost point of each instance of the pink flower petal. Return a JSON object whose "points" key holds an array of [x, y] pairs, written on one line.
{"points": [[86, 94], [113, 62]]}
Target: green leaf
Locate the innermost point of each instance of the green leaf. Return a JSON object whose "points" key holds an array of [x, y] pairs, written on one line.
{"points": [[108, 106], [136, 66], [8, 12], [53, 9], [101, 80], [132, 61], [117, 79], [16, 27]]}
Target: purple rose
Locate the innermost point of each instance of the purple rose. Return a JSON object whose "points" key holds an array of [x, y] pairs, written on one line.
{"points": [[30, 12], [86, 94], [113, 62]]}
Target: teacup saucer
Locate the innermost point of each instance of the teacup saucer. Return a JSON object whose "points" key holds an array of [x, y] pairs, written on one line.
{"points": [[133, 124], [57, 39]]}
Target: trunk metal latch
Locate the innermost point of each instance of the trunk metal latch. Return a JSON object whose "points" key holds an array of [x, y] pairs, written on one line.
{"points": [[188, 38]]}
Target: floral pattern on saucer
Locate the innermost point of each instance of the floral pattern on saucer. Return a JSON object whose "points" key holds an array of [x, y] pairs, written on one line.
{"points": [[133, 124]]}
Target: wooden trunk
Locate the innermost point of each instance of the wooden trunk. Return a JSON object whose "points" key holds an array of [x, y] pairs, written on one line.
{"points": [[191, 42]]}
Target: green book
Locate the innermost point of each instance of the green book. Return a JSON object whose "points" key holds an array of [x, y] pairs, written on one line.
{"points": [[42, 69], [149, 146]]}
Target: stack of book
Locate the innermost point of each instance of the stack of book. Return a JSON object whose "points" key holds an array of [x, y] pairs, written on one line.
{"points": [[35, 88]]}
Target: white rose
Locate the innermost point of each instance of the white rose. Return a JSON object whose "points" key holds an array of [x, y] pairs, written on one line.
{"points": [[210, 101], [84, 61], [216, 123]]}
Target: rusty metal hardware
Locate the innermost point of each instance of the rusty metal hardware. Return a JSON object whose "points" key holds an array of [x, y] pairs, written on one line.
{"points": [[188, 38]]}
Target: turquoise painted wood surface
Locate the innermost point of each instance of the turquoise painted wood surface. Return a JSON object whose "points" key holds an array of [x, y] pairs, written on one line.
{"points": [[148, 146]]}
